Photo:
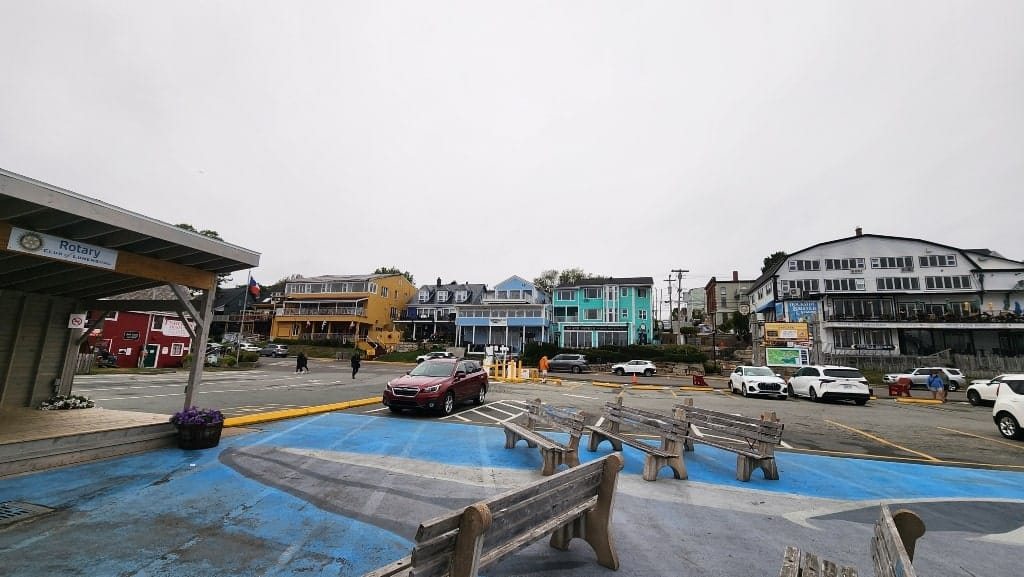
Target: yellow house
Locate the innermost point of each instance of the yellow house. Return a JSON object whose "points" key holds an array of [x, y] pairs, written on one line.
{"points": [[348, 308]]}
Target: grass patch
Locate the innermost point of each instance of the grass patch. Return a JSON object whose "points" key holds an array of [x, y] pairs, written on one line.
{"points": [[400, 357]]}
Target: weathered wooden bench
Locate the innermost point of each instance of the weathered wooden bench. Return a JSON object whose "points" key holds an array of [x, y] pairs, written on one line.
{"points": [[574, 503], [671, 432], [553, 453], [892, 550], [753, 440]]}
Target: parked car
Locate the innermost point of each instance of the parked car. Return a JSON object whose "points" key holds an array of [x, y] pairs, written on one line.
{"points": [[435, 355], [953, 378], [983, 390], [750, 380], [569, 362], [830, 382], [645, 368], [248, 347], [1008, 410], [274, 351], [437, 385]]}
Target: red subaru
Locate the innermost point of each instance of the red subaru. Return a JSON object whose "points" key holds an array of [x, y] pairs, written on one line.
{"points": [[437, 385]]}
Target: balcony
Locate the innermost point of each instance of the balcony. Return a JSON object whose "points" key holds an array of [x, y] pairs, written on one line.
{"points": [[574, 319], [923, 317], [323, 311]]}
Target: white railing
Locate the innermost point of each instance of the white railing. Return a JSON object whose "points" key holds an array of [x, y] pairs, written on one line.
{"points": [[325, 311]]}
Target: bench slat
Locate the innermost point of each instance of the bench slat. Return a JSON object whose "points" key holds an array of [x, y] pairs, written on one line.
{"points": [[756, 426], [888, 552], [450, 522], [509, 522], [400, 567], [505, 549], [534, 436], [633, 442], [738, 449]]}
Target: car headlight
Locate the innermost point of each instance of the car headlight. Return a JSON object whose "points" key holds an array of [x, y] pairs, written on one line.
{"points": [[387, 387], [432, 388]]}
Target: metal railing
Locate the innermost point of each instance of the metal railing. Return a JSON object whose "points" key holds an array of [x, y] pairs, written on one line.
{"points": [[325, 311]]}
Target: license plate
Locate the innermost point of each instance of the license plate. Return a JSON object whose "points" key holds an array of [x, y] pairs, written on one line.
{"points": [[847, 386]]}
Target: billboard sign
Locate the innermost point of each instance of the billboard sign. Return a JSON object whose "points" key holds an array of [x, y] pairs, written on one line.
{"points": [[801, 311], [787, 357], [785, 331]]}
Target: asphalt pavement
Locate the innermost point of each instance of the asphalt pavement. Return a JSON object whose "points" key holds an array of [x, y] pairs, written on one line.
{"points": [[341, 493]]}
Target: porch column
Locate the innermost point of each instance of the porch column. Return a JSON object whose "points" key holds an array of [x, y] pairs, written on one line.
{"points": [[203, 318]]}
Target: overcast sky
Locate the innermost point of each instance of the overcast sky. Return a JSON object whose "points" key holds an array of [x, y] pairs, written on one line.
{"points": [[476, 140]]}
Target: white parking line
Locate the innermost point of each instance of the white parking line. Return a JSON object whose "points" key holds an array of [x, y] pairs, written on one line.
{"points": [[579, 396]]}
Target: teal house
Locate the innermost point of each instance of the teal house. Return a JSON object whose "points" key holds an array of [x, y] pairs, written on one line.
{"points": [[603, 311]]}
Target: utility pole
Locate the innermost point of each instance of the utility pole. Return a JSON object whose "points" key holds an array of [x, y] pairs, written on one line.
{"points": [[669, 281], [679, 288]]}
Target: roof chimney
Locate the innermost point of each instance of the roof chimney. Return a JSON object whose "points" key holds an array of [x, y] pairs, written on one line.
{"points": [[438, 281], [858, 231], [735, 276]]}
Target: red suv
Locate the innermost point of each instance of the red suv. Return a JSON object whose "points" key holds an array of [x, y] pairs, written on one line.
{"points": [[438, 385]]}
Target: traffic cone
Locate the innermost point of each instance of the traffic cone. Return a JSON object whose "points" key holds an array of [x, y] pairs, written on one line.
{"points": [[634, 379]]}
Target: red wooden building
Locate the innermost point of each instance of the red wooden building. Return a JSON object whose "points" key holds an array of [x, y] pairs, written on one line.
{"points": [[141, 339]]}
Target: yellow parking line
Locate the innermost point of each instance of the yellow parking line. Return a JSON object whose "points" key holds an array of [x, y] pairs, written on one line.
{"points": [[1000, 441], [903, 459], [883, 441]]}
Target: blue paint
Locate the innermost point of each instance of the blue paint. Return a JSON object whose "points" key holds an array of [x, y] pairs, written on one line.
{"points": [[195, 510]]}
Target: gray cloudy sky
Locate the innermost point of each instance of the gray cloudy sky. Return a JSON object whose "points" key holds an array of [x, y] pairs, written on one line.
{"points": [[475, 140]]}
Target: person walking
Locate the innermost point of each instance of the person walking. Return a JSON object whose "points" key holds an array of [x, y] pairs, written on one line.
{"points": [[301, 365], [542, 364], [355, 364], [937, 387]]}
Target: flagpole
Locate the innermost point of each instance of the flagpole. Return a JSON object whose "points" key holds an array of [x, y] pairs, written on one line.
{"points": [[241, 322]]}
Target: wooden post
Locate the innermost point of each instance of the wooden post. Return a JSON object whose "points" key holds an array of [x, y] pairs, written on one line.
{"points": [[599, 519], [475, 522]]}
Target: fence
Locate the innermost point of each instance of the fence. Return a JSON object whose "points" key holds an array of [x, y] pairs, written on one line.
{"points": [[974, 366]]}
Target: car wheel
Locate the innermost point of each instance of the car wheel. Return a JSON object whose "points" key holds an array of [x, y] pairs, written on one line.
{"points": [[481, 396], [648, 373], [1008, 426], [448, 403], [394, 409], [743, 389], [952, 387], [974, 398], [813, 394], [861, 402], [577, 370], [789, 391], [619, 372]]}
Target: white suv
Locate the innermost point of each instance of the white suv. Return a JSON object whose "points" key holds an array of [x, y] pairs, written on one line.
{"points": [[830, 382], [747, 380], [646, 368], [435, 355], [1008, 412]]}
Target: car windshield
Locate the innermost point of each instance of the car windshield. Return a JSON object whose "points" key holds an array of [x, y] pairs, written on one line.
{"points": [[758, 372], [954, 371], [431, 369], [844, 373]]}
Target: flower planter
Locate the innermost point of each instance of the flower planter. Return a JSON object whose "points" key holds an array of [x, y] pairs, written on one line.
{"points": [[192, 437]]}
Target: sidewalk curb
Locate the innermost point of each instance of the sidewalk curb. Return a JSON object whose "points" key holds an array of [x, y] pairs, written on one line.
{"points": [[291, 413]]}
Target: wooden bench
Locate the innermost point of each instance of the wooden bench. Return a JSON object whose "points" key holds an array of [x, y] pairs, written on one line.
{"points": [[671, 432], [553, 453], [753, 440], [892, 550], [574, 503]]}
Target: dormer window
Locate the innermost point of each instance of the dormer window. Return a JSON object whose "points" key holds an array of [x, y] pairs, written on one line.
{"points": [[502, 295], [461, 296], [442, 296], [424, 296]]}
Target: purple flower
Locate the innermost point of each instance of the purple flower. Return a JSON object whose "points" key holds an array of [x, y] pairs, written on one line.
{"points": [[197, 416]]}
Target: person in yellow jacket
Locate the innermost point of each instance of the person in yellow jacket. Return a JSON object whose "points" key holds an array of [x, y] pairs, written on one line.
{"points": [[543, 366]]}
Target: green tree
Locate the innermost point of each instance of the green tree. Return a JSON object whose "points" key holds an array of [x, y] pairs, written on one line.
{"points": [[395, 270], [223, 277], [740, 326], [772, 260], [551, 278]]}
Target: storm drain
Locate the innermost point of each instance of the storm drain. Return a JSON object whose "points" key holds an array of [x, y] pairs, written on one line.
{"points": [[14, 511]]}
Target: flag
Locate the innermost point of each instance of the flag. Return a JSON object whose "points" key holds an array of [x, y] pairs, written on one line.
{"points": [[254, 287]]}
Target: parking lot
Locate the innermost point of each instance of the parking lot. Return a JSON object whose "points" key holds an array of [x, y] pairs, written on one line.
{"points": [[952, 433]]}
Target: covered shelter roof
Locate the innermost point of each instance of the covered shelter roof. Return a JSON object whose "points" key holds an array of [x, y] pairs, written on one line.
{"points": [[135, 252]]}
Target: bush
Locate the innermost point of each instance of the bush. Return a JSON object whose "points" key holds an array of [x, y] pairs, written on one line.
{"points": [[615, 354], [228, 361], [248, 357]]}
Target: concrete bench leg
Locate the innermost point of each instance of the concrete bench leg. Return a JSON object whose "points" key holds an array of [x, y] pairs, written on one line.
{"points": [[745, 467], [552, 458], [511, 438], [596, 439]]}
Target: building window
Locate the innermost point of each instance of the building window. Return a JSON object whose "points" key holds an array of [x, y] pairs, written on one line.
{"points": [[591, 293], [901, 262], [566, 295], [641, 293], [577, 339], [615, 338], [805, 285], [442, 296], [844, 264], [947, 282], [850, 338], [898, 283], [177, 349], [461, 296], [296, 329], [796, 265], [624, 313], [424, 296], [844, 284], [158, 322], [863, 309], [501, 295], [528, 294], [641, 314], [937, 260], [111, 316], [591, 314], [394, 313], [624, 292], [384, 291]]}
